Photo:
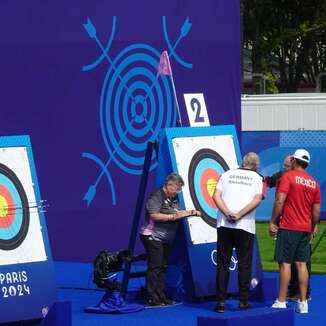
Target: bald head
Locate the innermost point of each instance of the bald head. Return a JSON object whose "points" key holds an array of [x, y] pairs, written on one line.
{"points": [[287, 164]]}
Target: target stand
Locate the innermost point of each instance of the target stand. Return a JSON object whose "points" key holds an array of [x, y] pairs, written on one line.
{"points": [[27, 287], [200, 155]]}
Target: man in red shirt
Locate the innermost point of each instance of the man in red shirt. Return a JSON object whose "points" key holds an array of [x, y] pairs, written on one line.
{"points": [[297, 209], [273, 181]]}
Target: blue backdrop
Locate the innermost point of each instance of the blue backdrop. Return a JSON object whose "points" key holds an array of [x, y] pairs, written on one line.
{"points": [[274, 146], [80, 78]]}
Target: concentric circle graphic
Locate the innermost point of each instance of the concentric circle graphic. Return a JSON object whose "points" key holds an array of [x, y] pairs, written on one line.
{"points": [[135, 106], [205, 169], [14, 210]]}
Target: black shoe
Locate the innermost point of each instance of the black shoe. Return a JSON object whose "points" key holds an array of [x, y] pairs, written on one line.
{"points": [[153, 303], [168, 302], [220, 307], [244, 306]]}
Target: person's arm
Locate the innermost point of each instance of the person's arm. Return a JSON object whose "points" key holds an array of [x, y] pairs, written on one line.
{"points": [[248, 208], [272, 180], [276, 213], [315, 214], [162, 217], [217, 197], [174, 216], [153, 207]]}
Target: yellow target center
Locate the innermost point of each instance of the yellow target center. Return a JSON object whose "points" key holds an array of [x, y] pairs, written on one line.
{"points": [[210, 186], [3, 207]]}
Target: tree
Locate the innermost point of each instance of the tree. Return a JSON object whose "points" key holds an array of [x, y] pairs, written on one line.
{"points": [[287, 39]]}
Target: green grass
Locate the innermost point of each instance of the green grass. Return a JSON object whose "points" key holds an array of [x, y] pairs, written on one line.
{"points": [[266, 247]]}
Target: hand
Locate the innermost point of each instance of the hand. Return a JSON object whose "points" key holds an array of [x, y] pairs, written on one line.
{"points": [[236, 217], [194, 212], [181, 214], [230, 218], [314, 233], [273, 229], [233, 217]]}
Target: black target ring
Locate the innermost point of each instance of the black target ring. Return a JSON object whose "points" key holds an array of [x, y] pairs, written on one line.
{"points": [[18, 232], [205, 165]]}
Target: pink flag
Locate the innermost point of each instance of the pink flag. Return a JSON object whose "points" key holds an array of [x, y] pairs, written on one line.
{"points": [[164, 66]]}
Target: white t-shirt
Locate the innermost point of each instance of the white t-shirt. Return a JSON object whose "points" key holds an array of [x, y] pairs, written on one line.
{"points": [[239, 187]]}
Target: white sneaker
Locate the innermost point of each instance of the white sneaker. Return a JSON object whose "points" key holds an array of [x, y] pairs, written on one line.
{"points": [[279, 305], [302, 307]]}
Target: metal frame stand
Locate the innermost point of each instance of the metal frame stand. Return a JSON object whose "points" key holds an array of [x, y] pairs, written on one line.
{"points": [[137, 215]]}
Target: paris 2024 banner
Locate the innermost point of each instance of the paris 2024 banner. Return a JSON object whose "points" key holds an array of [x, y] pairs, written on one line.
{"points": [[80, 77]]}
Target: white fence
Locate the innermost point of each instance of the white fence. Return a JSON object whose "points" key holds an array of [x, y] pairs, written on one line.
{"points": [[299, 111]]}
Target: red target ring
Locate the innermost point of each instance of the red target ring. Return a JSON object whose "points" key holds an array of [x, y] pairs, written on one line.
{"points": [[7, 208], [208, 183]]}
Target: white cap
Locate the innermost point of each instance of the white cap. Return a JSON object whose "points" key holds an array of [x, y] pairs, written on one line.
{"points": [[302, 155]]}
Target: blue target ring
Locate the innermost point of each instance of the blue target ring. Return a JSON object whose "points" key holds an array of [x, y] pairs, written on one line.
{"points": [[134, 106], [15, 216], [205, 162], [143, 128]]}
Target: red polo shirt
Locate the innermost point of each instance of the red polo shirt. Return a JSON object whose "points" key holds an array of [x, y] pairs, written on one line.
{"points": [[302, 192]]}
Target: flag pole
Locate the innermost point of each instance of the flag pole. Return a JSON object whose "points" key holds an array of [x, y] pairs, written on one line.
{"points": [[176, 102], [164, 68]]}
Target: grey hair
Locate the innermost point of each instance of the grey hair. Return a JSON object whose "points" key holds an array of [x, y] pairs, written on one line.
{"points": [[251, 161], [175, 178]]}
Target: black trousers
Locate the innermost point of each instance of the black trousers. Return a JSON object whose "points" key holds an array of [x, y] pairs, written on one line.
{"points": [[243, 242], [157, 264]]}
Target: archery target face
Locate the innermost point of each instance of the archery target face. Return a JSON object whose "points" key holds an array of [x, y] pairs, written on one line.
{"points": [[21, 239], [200, 162]]}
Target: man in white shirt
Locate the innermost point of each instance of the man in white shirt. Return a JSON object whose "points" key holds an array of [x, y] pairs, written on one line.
{"points": [[238, 193]]}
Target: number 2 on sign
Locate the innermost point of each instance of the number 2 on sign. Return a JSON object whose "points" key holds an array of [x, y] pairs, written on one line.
{"points": [[196, 107]]}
